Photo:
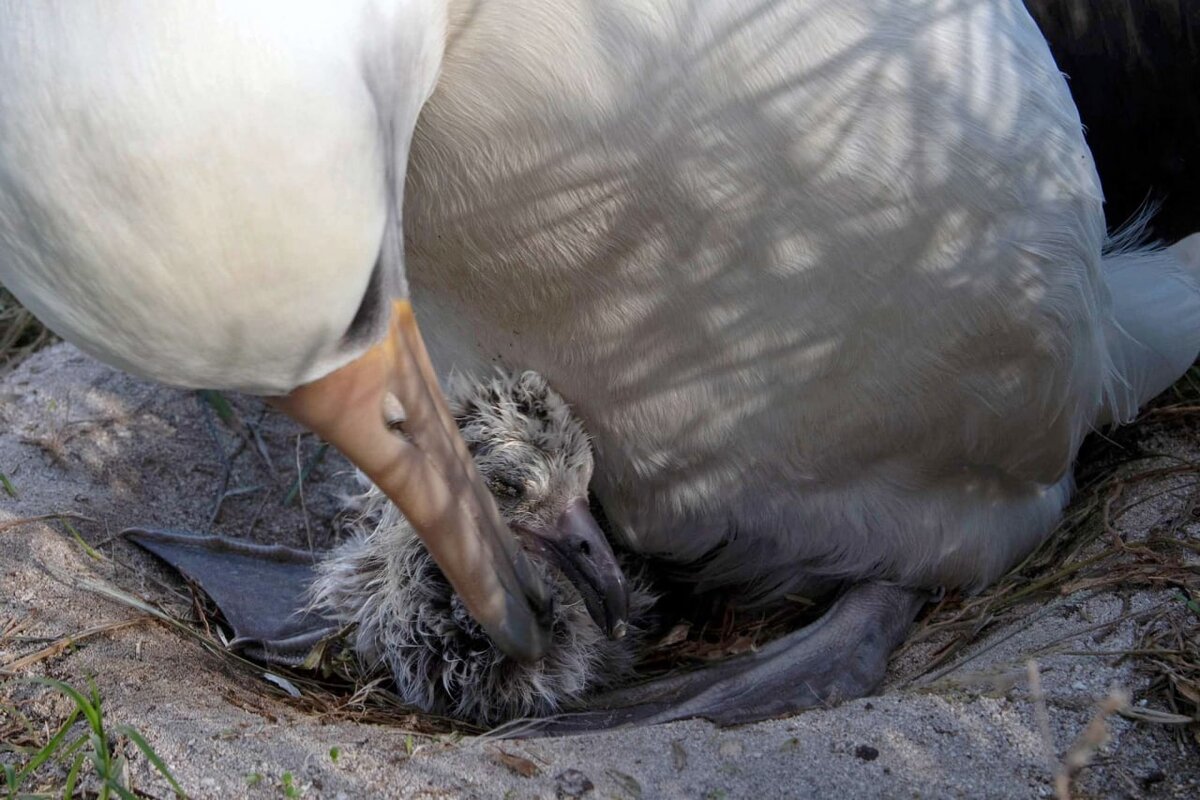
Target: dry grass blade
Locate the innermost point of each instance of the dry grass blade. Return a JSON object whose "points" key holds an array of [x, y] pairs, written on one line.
{"points": [[338, 692], [20, 332], [1154, 716], [64, 643], [1087, 553], [1170, 653], [518, 765], [1041, 712], [8, 525], [14, 626], [1089, 742], [1085, 746], [1097, 550]]}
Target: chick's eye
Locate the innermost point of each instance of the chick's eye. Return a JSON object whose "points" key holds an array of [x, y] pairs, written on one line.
{"points": [[507, 488]]}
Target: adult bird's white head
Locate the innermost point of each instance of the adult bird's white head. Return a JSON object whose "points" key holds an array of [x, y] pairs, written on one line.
{"points": [[208, 194]]}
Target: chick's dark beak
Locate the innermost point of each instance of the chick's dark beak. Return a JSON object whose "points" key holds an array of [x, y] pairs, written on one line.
{"points": [[577, 546]]}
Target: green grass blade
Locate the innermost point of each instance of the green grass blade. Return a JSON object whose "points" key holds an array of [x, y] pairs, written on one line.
{"points": [[101, 758], [118, 778], [10, 780], [294, 492], [87, 548], [121, 791], [73, 775], [51, 747], [218, 403], [102, 754], [70, 750], [82, 703], [153, 757], [9, 489]]}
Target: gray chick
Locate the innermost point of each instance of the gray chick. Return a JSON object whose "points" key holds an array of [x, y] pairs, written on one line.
{"points": [[404, 616]]}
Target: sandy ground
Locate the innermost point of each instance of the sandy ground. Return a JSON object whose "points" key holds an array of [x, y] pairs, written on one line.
{"points": [[78, 437]]}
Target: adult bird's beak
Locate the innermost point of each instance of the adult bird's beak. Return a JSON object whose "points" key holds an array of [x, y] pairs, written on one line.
{"points": [[577, 546], [427, 472]]}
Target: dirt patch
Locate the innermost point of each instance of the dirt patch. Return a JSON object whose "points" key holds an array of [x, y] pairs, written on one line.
{"points": [[955, 720]]}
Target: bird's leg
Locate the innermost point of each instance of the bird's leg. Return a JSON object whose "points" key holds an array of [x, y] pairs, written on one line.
{"points": [[841, 656]]}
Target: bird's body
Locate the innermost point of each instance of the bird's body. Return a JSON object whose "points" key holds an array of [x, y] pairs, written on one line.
{"points": [[380, 596], [208, 194], [406, 620], [218, 162], [824, 280]]}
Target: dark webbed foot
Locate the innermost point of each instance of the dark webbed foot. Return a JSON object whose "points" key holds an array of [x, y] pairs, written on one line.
{"points": [[259, 588], [841, 656]]}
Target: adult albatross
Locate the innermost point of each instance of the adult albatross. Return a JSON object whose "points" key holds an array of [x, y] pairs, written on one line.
{"points": [[208, 194], [824, 280], [828, 284]]}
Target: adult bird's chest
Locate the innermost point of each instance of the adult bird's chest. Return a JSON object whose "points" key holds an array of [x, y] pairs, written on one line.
{"points": [[771, 257]]}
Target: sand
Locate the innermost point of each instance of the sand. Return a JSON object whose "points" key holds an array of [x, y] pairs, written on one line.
{"points": [[78, 437]]}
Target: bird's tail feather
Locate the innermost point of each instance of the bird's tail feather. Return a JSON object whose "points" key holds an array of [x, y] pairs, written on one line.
{"points": [[1154, 335]]}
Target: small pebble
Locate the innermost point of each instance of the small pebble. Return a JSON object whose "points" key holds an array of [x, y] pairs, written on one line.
{"points": [[1151, 778], [866, 752], [678, 755], [730, 749]]}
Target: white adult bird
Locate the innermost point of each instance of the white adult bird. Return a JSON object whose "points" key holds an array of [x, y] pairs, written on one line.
{"points": [[825, 280], [208, 194]]}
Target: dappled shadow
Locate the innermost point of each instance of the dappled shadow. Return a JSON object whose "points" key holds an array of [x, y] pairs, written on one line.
{"points": [[746, 243]]}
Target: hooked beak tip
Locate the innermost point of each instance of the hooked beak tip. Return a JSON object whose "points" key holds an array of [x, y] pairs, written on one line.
{"points": [[583, 554]]}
